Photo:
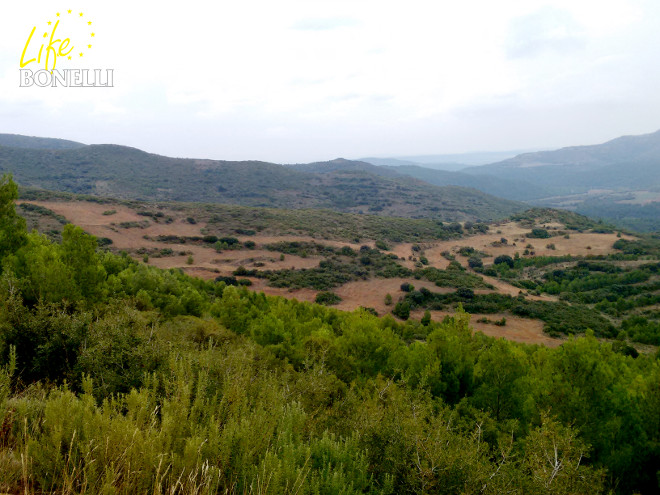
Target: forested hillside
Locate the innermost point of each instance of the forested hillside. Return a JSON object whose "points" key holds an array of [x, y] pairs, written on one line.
{"points": [[129, 173], [118, 377]]}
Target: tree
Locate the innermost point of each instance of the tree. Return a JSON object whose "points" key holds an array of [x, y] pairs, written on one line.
{"points": [[504, 258], [499, 372], [475, 262], [539, 234], [555, 460], [13, 230], [426, 319], [402, 310], [79, 253]]}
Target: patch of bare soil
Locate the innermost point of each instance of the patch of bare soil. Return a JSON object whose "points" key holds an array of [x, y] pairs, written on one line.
{"points": [[516, 328], [371, 293], [578, 244], [208, 264]]}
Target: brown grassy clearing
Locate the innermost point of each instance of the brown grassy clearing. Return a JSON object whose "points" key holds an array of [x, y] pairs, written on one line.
{"points": [[208, 264]]}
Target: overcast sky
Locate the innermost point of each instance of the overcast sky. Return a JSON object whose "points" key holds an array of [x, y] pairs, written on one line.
{"points": [[297, 81]]}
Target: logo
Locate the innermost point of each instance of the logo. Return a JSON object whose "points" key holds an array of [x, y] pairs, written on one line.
{"points": [[57, 50]]}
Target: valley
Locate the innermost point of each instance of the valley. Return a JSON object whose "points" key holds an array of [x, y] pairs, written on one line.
{"points": [[163, 235]]}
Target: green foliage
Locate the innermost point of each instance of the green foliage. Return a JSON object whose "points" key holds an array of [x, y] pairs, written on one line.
{"points": [[559, 317], [475, 263], [647, 245], [43, 211], [572, 221], [327, 298], [504, 259], [538, 234], [453, 278], [12, 227], [380, 244], [256, 184], [340, 266], [402, 310], [155, 382], [426, 319]]}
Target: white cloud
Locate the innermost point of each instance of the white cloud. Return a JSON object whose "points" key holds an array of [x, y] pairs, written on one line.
{"points": [[300, 80]]}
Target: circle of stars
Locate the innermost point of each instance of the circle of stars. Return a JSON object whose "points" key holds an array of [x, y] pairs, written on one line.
{"points": [[92, 34]]}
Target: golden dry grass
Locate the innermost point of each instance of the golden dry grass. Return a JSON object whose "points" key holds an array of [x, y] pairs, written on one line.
{"points": [[368, 293]]}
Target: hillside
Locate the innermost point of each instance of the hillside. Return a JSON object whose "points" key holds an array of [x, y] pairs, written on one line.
{"points": [[118, 376], [128, 173], [627, 162], [31, 142], [362, 258], [618, 181], [488, 184]]}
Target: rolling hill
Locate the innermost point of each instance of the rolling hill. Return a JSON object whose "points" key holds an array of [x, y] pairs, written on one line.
{"points": [[625, 162], [129, 173], [31, 142]]}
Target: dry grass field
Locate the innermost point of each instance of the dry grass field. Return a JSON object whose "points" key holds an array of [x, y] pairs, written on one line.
{"points": [[208, 263]]}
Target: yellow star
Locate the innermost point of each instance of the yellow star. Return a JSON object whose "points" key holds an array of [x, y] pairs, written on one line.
{"points": [[58, 14], [89, 46], [49, 23], [81, 14], [89, 23], [69, 57], [92, 35], [69, 11], [81, 54]]}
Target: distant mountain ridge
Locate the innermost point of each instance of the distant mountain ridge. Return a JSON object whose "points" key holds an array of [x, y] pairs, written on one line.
{"points": [[341, 185], [31, 142], [625, 149]]}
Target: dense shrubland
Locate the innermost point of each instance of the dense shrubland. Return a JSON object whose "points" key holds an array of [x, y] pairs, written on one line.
{"points": [[121, 378]]}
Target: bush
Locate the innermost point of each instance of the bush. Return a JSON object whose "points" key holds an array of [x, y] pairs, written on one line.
{"points": [[327, 298], [539, 234], [406, 287], [504, 258], [382, 245], [466, 251], [402, 310], [475, 262]]}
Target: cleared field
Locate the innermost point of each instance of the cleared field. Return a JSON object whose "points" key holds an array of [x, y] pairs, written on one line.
{"points": [[132, 232], [517, 329]]}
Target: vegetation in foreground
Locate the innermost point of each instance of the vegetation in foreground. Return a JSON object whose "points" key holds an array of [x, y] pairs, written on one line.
{"points": [[122, 378]]}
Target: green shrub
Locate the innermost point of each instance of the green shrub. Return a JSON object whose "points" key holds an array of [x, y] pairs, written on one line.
{"points": [[327, 298]]}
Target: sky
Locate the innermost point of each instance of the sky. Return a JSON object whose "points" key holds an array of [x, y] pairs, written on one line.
{"points": [[299, 81]]}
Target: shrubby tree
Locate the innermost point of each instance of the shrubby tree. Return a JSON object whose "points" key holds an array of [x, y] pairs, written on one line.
{"points": [[402, 310], [13, 231], [504, 258]]}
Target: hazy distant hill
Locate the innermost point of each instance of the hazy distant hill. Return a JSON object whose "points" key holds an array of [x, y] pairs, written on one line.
{"points": [[346, 165], [129, 173], [449, 162], [618, 180], [631, 159], [18, 141], [506, 188]]}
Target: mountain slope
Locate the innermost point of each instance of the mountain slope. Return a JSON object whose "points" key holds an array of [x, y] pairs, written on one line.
{"points": [[31, 142], [628, 158], [129, 173]]}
